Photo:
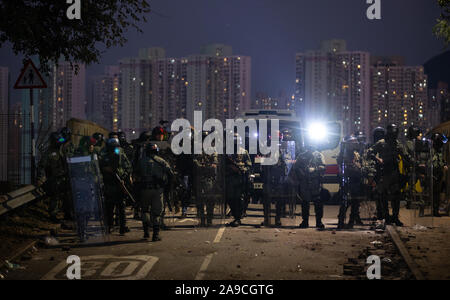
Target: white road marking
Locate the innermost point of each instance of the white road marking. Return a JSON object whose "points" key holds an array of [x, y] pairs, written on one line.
{"points": [[186, 220], [219, 235], [106, 266], [204, 266], [201, 273]]}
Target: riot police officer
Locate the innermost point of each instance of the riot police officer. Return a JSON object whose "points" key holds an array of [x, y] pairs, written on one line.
{"points": [[86, 146], [205, 175], [351, 169], [420, 151], [309, 170], [152, 174], [115, 166], [68, 148], [374, 174], [378, 134], [99, 142], [237, 168], [52, 169], [387, 153], [138, 154], [127, 147], [278, 174], [439, 169]]}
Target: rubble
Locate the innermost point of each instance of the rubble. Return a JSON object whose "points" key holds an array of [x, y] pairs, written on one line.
{"points": [[12, 266]]}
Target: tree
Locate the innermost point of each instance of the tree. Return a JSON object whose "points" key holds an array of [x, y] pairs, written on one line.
{"points": [[442, 28], [42, 28]]}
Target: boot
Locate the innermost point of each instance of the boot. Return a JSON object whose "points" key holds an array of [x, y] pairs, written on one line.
{"points": [[156, 237], [146, 234], [122, 231], [351, 223], [304, 224], [202, 220], [341, 224], [436, 212], [235, 223], [277, 222], [319, 224], [388, 220], [358, 221], [397, 222], [341, 218], [421, 211]]}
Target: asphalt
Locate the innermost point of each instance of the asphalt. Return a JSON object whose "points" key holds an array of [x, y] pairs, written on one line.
{"points": [[220, 252]]}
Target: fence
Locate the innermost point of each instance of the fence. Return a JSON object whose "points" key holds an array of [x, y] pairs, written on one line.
{"points": [[15, 156]]}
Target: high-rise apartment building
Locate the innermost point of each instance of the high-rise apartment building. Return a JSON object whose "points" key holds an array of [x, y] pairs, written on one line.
{"points": [[399, 95], [334, 84], [68, 90], [219, 86], [103, 99], [154, 88], [263, 101]]}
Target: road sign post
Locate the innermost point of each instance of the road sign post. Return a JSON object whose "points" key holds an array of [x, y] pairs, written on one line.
{"points": [[31, 79]]}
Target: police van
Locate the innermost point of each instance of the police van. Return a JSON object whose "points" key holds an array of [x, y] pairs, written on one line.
{"points": [[295, 133]]}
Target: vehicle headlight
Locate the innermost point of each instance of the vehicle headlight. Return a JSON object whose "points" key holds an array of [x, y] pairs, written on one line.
{"points": [[317, 132]]}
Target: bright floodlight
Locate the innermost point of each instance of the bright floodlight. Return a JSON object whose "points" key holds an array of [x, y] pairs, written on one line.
{"points": [[317, 132]]}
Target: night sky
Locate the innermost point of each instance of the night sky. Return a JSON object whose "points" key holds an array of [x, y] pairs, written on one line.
{"points": [[272, 31]]}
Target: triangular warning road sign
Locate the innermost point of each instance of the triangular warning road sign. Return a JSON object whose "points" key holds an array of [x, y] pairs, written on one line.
{"points": [[30, 78]]}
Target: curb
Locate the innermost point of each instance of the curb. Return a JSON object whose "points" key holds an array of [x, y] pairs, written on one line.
{"points": [[413, 267]]}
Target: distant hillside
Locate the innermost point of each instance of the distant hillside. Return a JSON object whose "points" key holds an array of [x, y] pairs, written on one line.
{"points": [[438, 69]]}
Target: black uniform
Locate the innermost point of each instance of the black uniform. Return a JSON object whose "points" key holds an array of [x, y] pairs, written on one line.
{"points": [[309, 169]]}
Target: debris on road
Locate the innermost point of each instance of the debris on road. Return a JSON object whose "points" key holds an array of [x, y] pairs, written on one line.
{"points": [[12, 266], [387, 260], [419, 227], [50, 241], [377, 244]]}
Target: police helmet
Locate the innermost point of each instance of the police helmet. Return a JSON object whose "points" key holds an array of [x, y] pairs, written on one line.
{"points": [[122, 138], [391, 132], [413, 132], [361, 137], [56, 138], [158, 131], [98, 136], [112, 135], [151, 149], [145, 136], [113, 142], [378, 134], [66, 133], [439, 140]]}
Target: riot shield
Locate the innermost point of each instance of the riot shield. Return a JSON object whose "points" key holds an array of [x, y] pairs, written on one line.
{"points": [[279, 197], [87, 196], [420, 184], [208, 190], [353, 183], [288, 154]]}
